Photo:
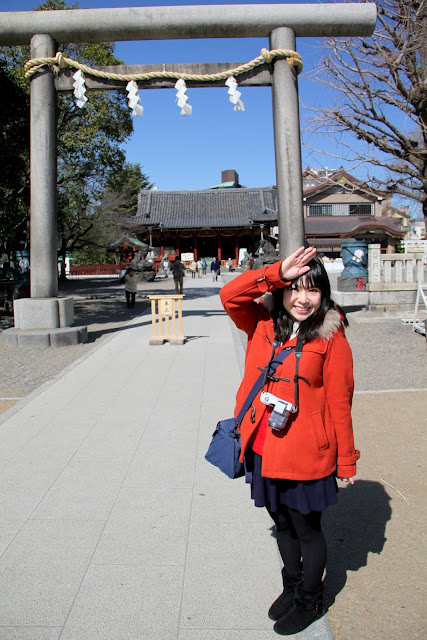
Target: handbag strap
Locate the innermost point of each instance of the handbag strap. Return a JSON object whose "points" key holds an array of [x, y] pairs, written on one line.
{"points": [[270, 369]]}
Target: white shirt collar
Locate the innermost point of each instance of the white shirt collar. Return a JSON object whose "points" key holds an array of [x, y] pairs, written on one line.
{"points": [[295, 329]]}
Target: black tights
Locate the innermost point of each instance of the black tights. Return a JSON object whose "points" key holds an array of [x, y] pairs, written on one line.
{"points": [[300, 537]]}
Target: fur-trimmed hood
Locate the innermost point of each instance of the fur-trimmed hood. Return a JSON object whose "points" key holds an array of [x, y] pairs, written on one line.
{"points": [[332, 323]]}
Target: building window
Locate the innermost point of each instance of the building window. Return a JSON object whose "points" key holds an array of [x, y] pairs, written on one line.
{"points": [[341, 209], [319, 209], [361, 209]]}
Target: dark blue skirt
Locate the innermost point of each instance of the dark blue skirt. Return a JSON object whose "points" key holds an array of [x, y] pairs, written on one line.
{"points": [[302, 495]]}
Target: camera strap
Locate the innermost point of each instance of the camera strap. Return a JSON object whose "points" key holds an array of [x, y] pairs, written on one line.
{"points": [[270, 369], [298, 355]]}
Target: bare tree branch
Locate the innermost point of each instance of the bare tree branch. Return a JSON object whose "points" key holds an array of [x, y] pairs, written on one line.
{"points": [[380, 86]]}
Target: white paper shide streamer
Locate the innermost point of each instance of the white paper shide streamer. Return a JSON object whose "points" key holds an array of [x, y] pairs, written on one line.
{"points": [[79, 88], [134, 99], [234, 94], [182, 98]]}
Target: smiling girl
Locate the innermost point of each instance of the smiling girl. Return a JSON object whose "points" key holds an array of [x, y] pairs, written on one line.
{"points": [[292, 463]]}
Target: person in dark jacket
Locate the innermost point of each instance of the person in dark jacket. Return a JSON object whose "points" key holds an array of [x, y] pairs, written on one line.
{"points": [[178, 272], [292, 458], [215, 269]]}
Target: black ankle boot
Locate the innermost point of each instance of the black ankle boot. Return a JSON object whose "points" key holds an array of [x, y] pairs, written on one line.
{"points": [[307, 608], [286, 599]]}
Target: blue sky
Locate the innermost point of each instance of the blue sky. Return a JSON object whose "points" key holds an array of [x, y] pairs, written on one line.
{"points": [[180, 152]]}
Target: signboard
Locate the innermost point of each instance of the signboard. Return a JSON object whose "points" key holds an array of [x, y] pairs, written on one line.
{"points": [[166, 307]]}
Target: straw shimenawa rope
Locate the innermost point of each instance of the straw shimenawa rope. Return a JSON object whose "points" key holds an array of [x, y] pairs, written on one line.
{"points": [[61, 62]]}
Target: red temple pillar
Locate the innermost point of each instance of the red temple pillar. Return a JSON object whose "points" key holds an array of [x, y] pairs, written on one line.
{"points": [[219, 246], [236, 246]]}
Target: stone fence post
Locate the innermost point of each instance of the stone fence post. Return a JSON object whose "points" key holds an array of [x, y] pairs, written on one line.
{"points": [[374, 264]]}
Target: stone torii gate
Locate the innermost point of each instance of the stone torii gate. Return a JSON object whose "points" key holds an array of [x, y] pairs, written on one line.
{"points": [[44, 319]]}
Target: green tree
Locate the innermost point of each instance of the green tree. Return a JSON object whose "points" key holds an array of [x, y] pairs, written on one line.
{"points": [[89, 140], [119, 201], [380, 89], [92, 254], [128, 182], [14, 160]]}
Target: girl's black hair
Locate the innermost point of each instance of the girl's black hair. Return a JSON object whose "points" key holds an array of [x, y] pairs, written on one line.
{"points": [[283, 322]]}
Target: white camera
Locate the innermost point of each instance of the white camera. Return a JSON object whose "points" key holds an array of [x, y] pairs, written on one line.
{"points": [[281, 410]]}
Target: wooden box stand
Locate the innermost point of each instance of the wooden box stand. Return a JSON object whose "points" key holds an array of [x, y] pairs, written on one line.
{"points": [[166, 314]]}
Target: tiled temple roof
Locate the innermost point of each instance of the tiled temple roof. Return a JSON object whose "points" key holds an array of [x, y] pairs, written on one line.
{"points": [[217, 208]]}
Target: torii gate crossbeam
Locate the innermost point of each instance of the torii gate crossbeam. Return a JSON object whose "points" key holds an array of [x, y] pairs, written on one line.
{"points": [[206, 21]]}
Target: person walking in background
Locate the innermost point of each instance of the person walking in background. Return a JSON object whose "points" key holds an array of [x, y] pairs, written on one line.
{"points": [[178, 271], [204, 266], [215, 269], [193, 268], [230, 265], [298, 438], [165, 267], [199, 268], [131, 286]]}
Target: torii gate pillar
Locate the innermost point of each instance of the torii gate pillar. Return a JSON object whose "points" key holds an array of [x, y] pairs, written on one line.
{"points": [[43, 101], [44, 320], [287, 145]]}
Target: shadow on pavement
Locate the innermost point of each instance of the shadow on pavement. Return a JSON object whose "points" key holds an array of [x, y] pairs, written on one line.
{"points": [[189, 294], [99, 303], [105, 311], [353, 308], [94, 335], [354, 528], [103, 317], [202, 312]]}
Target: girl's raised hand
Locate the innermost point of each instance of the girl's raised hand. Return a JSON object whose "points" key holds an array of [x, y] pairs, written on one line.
{"points": [[295, 265]]}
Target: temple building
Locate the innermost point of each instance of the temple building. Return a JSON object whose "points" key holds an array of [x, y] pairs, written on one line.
{"points": [[227, 220]]}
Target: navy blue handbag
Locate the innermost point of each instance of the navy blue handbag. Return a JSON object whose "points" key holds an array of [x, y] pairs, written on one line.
{"points": [[224, 449]]}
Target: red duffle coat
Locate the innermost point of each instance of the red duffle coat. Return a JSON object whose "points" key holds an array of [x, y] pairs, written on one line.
{"points": [[318, 439]]}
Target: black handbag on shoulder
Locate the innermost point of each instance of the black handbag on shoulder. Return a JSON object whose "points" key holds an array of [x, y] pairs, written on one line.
{"points": [[224, 449]]}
